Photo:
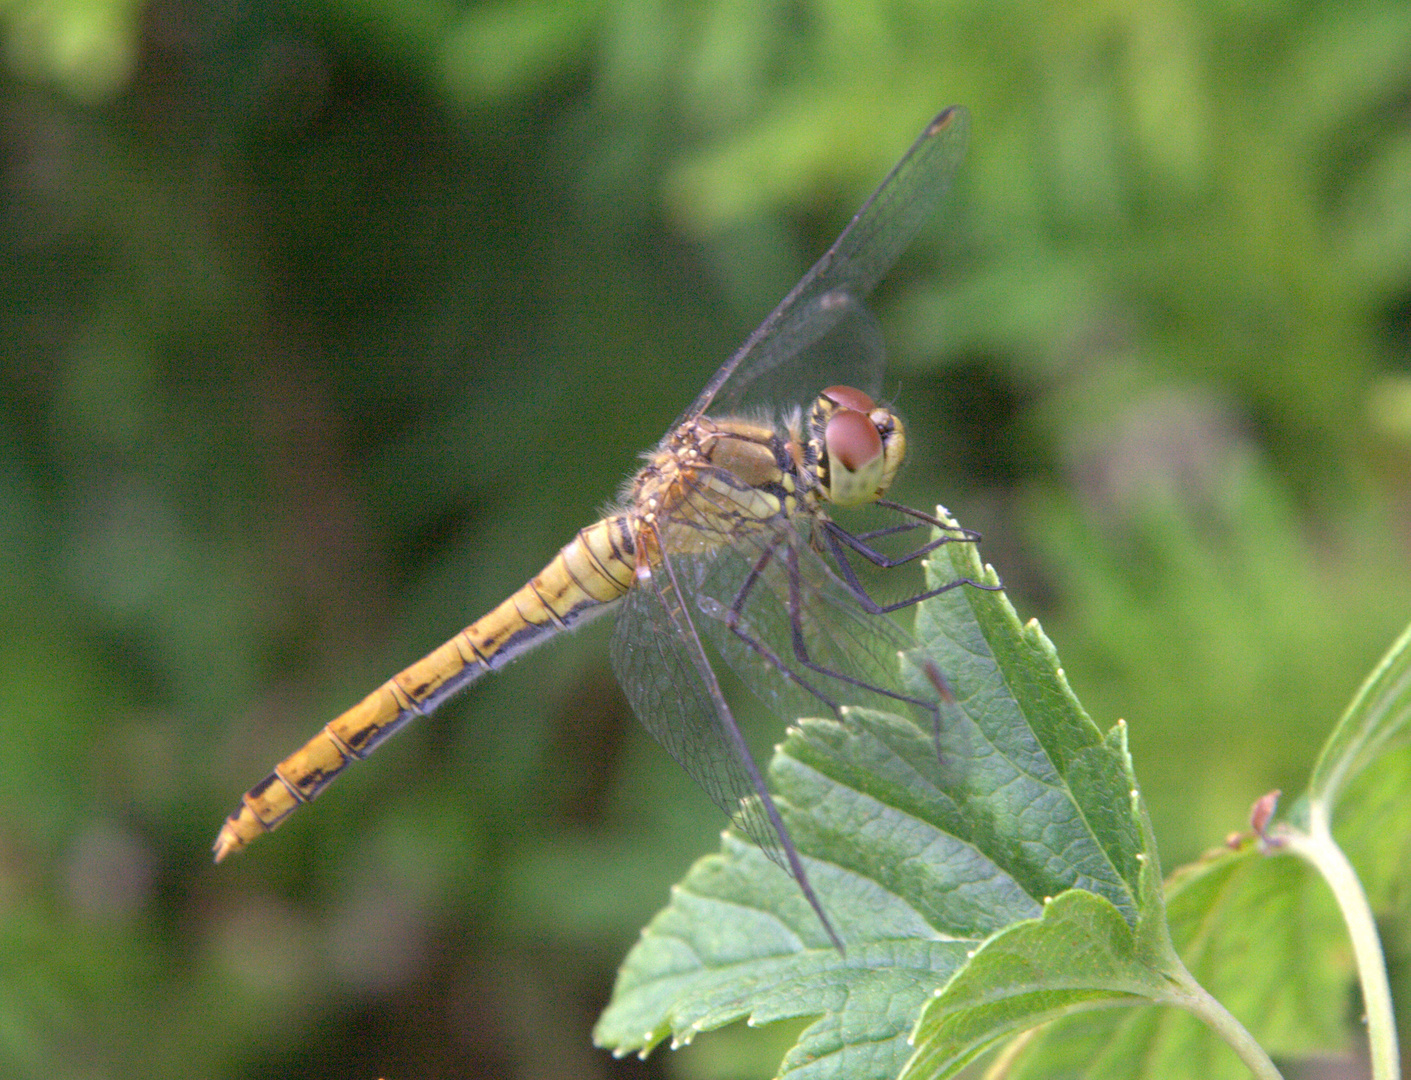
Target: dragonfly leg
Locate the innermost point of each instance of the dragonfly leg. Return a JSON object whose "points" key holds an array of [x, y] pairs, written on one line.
{"points": [[801, 652], [840, 541], [859, 542], [734, 620], [919, 519]]}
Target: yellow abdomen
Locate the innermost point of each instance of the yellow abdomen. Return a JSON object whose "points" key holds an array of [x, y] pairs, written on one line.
{"points": [[584, 579]]}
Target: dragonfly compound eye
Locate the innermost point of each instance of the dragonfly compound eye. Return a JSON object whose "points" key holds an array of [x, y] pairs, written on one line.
{"points": [[862, 450], [854, 446], [849, 397]]}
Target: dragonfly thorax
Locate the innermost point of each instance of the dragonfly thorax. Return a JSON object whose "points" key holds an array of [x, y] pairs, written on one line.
{"points": [[856, 445], [712, 478]]}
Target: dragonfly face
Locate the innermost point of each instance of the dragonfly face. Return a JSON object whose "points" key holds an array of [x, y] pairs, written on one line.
{"points": [[857, 446], [722, 551]]}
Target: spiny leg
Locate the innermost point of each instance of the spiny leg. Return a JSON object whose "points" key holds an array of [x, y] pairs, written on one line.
{"points": [[839, 538], [919, 519], [957, 534], [859, 542], [735, 621], [801, 652]]}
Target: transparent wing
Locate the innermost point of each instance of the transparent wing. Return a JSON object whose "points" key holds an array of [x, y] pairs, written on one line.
{"points": [[820, 333], [794, 633], [662, 668]]}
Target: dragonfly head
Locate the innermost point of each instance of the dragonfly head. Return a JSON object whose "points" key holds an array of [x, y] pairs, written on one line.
{"points": [[857, 446]]}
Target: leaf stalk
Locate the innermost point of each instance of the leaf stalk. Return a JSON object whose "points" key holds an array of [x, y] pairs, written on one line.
{"points": [[1318, 848], [1195, 999]]}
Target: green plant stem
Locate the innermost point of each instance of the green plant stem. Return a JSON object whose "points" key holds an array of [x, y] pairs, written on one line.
{"points": [[1193, 997], [1317, 847]]}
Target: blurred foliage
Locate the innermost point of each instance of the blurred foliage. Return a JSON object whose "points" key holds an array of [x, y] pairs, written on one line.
{"points": [[324, 324]]}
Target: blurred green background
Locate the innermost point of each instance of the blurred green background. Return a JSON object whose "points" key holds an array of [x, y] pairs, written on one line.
{"points": [[325, 324]]}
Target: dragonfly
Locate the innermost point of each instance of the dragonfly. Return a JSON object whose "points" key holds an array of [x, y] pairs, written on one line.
{"points": [[723, 549]]}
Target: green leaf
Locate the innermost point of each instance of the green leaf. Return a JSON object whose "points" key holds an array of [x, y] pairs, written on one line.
{"points": [[918, 860], [1264, 934], [1375, 722], [1081, 955], [729, 946]]}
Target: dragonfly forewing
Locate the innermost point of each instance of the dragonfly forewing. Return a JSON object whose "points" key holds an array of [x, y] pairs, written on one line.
{"points": [[874, 239], [834, 336]]}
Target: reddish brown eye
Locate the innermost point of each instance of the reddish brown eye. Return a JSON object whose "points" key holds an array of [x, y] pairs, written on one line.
{"points": [[849, 397], [852, 440]]}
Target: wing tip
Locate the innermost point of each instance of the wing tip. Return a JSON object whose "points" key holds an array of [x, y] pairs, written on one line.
{"points": [[952, 114]]}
